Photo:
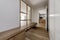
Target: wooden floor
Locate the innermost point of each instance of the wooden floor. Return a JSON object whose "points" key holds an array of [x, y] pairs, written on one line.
{"points": [[37, 34]]}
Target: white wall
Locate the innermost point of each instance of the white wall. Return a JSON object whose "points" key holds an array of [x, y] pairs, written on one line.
{"points": [[35, 14], [51, 20], [57, 19], [54, 19], [9, 14]]}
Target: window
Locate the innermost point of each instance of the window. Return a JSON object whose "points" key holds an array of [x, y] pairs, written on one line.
{"points": [[29, 12], [23, 7], [23, 16], [25, 12], [28, 15]]}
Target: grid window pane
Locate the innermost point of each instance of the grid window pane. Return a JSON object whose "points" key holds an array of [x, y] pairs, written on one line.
{"points": [[23, 23], [28, 15], [29, 9], [23, 7], [28, 22], [23, 16], [29, 12]]}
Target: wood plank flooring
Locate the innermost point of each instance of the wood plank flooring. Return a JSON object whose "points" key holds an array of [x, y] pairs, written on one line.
{"points": [[37, 34]]}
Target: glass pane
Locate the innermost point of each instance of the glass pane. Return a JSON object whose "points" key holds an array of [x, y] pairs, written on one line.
{"points": [[28, 22], [23, 16], [29, 9], [23, 7], [28, 15], [23, 23], [29, 12]]}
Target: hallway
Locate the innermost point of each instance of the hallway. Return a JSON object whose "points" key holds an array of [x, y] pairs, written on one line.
{"points": [[18, 17], [21, 20], [37, 34]]}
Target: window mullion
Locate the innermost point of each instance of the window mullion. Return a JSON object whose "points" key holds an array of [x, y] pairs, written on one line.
{"points": [[26, 14]]}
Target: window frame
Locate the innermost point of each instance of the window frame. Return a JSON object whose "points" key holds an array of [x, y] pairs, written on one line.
{"points": [[25, 13]]}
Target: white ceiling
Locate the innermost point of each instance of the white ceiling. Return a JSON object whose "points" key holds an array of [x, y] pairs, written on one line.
{"points": [[36, 3]]}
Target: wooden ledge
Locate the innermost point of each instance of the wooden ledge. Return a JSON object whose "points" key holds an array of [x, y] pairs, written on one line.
{"points": [[10, 33], [7, 34]]}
